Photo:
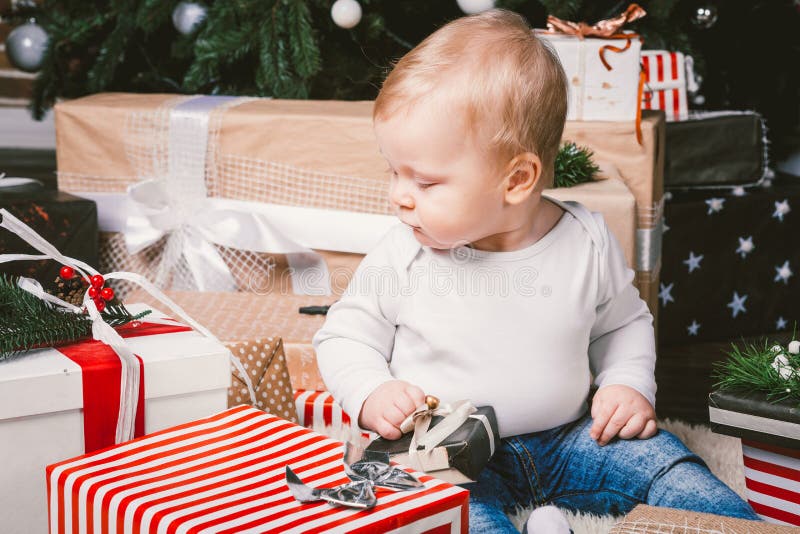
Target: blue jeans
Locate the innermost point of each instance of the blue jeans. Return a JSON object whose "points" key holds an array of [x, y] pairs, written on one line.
{"points": [[565, 467]]}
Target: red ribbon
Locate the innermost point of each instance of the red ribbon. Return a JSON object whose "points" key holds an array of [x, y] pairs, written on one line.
{"points": [[101, 372]]}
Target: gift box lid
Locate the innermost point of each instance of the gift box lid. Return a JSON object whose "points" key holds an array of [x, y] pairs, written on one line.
{"points": [[751, 416], [176, 363]]}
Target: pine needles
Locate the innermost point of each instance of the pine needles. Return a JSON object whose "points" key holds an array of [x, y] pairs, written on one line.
{"points": [[750, 369], [574, 165], [27, 322]]}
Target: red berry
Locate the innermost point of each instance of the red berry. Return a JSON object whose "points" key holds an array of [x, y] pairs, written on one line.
{"points": [[66, 272], [98, 281], [107, 293], [93, 292], [99, 304]]}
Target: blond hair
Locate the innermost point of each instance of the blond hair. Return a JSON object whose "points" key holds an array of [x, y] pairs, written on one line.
{"points": [[507, 82]]}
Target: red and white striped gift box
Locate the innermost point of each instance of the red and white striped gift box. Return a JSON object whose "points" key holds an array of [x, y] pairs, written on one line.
{"points": [[772, 477], [319, 411], [665, 85], [226, 474]]}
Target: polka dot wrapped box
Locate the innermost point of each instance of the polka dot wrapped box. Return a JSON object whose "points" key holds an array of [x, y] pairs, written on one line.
{"points": [[226, 473], [57, 403]]}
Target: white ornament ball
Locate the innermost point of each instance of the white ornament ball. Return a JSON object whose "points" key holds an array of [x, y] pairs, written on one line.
{"points": [[346, 13], [794, 347], [187, 16], [776, 348], [782, 366], [471, 7], [25, 46]]}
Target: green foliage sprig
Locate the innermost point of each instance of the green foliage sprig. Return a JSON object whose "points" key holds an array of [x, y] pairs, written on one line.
{"points": [[28, 322], [574, 165], [751, 368]]}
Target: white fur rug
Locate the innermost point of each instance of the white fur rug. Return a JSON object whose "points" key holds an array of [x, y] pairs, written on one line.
{"points": [[723, 455]]}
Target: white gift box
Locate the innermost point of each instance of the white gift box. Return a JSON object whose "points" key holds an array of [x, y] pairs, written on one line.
{"points": [[186, 377], [665, 83], [595, 92]]}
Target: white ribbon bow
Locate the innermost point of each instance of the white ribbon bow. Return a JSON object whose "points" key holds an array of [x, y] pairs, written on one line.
{"points": [[422, 452], [102, 331]]}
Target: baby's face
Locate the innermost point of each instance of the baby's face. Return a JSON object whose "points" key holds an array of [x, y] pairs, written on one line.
{"points": [[442, 185]]}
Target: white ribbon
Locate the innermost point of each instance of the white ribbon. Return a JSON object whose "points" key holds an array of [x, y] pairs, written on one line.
{"points": [[177, 206], [423, 452], [102, 331]]}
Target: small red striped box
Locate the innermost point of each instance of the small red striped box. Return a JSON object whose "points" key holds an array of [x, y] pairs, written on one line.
{"points": [[319, 411], [772, 477], [226, 474], [665, 85]]}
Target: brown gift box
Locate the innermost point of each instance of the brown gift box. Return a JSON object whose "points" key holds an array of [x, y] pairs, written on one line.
{"points": [[245, 317], [319, 154], [265, 362], [646, 519]]}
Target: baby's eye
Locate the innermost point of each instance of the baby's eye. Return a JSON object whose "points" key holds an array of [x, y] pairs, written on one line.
{"points": [[425, 185]]}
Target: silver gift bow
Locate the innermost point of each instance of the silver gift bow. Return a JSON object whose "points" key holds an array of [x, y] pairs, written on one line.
{"points": [[102, 331]]}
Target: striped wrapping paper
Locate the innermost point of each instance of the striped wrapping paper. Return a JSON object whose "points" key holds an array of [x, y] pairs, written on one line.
{"points": [[226, 474], [665, 86], [772, 477], [319, 411]]}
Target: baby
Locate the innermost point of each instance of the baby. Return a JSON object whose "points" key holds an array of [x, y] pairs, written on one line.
{"points": [[493, 292]]}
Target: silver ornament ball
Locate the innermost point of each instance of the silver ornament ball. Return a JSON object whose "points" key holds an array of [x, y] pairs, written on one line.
{"points": [[346, 13], [705, 16], [187, 16], [472, 7], [25, 46]]}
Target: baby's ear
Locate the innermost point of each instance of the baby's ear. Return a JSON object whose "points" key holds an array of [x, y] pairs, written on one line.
{"points": [[525, 174]]}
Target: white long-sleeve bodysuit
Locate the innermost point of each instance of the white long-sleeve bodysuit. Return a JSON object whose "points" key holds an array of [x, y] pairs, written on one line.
{"points": [[521, 331]]}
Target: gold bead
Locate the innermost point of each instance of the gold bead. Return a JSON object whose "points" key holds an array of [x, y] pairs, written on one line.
{"points": [[432, 402]]}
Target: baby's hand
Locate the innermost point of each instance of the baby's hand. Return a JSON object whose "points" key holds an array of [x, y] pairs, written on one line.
{"points": [[621, 410], [387, 407]]}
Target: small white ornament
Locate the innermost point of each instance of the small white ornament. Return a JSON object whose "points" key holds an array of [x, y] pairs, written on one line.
{"points": [[471, 7], [782, 367], [346, 13], [187, 16], [794, 347], [776, 349]]}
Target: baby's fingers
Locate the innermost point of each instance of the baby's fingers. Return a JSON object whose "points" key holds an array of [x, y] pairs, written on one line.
{"points": [[387, 429], [633, 427], [650, 429], [600, 415]]}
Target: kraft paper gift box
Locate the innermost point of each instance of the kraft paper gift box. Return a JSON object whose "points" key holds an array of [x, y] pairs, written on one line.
{"points": [[644, 519], [641, 167], [665, 83], [311, 168], [50, 409], [770, 433], [603, 83], [226, 473], [239, 317]]}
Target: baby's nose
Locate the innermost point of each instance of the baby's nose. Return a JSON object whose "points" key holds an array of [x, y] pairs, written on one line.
{"points": [[400, 196]]}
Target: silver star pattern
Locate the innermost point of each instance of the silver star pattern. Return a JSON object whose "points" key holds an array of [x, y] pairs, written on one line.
{"points": [[665, 294], [746, 246], [715, 204], [780, 324], [781, 209], [693, 328], [737, 304], [693, 262], [783, 272], [664, 227], [739, 191]]}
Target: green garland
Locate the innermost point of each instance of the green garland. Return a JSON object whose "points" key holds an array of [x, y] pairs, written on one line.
{"points": [[574, 165], [768, 368], [28, 322]]}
